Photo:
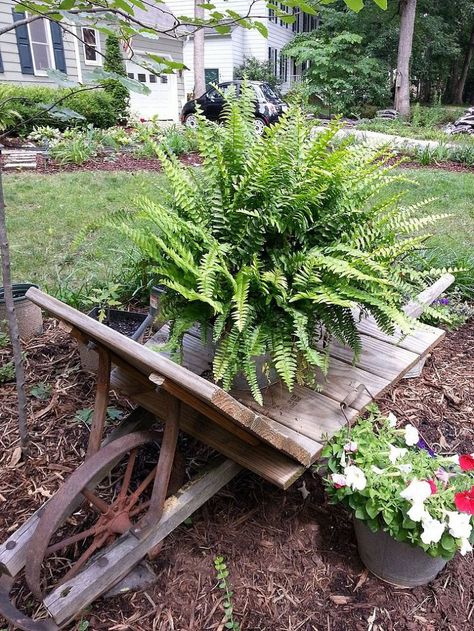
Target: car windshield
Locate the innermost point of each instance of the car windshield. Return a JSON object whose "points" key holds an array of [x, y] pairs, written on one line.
{"points": [[266, 93]]}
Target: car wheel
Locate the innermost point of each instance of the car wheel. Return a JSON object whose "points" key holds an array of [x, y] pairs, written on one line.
{"points": [[191, 121], [259, 126]]}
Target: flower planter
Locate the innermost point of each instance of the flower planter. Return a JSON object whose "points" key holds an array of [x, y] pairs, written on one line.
{"points": [[393, 561], [125, 322], [28, 315]]}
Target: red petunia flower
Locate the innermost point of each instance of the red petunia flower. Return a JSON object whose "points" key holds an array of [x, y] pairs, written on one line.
{"points": [[465, 501], [433, 486], [466, 462]]}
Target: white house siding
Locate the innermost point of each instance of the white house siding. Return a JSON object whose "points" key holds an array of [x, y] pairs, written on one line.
{"points": [[11, 59], [163, 46], [238, 45]]}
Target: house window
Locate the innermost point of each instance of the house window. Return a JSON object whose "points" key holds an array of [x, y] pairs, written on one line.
{"points": [[41, 46], [152, 78], [163, 78], [141, 77], [283, 68], [91, 41], [271, 15], [273, 59]]}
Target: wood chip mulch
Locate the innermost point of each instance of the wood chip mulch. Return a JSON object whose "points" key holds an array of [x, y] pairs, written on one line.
{"points": [[292, 560]]}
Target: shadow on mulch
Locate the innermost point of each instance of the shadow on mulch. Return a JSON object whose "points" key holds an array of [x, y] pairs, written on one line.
{"points": [[293, 563]]}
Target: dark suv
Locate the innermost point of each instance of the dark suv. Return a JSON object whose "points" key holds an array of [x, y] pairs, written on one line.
{"points": [[269, 105]]}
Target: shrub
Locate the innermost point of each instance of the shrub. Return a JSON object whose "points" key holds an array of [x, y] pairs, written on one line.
{"points": [[113, 62], [255, 70], [94, 106], [274, 241]]}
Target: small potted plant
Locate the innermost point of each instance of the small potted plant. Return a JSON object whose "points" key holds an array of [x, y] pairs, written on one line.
{"points": [[126, 322], [413, 509]]}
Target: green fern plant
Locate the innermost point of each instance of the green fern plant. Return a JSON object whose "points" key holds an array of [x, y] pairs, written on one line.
{"points": [[275, 241]]}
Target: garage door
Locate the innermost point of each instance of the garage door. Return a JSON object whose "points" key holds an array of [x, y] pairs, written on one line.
{"points": [[162, 101]]}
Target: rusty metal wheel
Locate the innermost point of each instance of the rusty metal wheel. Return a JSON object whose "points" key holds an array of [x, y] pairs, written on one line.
{"points": [[98, 516]]}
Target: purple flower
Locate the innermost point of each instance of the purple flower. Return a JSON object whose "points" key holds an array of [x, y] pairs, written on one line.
{"points": [[442, 301], [422, 445]]}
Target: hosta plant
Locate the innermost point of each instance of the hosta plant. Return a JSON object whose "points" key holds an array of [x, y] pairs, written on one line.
{"points": [[393, 481], [274, 241]]}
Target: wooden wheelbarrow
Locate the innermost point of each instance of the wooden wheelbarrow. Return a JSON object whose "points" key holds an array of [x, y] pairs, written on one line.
{"points": [[128, 518]]}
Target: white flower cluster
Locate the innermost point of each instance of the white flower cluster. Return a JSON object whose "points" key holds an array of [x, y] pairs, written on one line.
{"points": [[458, 524]]}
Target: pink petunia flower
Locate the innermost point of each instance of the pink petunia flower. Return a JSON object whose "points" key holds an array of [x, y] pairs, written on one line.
{"points": [[465, 501], [466, 462]]}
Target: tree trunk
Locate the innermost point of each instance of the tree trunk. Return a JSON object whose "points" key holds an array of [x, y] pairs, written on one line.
{"points": [[461, 84], [13, 324], [199, 79], [405, 43]]}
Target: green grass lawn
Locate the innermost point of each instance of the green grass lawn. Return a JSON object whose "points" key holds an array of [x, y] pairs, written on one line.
{"points": [[46, 212]]}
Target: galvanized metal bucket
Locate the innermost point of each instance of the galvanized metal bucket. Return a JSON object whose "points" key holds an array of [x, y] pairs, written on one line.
{"points": [[28, 315], [393, 561]]}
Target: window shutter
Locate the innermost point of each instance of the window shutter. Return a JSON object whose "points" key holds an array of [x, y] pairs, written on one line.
{"points": [[1, 63], [58, 48], [23, 42]]}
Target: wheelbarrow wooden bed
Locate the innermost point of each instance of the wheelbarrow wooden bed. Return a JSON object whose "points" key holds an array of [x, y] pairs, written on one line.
{"points": [[277, 441]]}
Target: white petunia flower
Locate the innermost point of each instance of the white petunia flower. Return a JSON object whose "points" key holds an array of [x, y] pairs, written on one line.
{"points": [[417, 512], [355, 478], [465, 547], [351, 446], [396, 453], [459, 524], [392, 419], [377, 470], [411, 435], [432, 530], [405, 468], [338, 480], [342, 459], [416, 491]]}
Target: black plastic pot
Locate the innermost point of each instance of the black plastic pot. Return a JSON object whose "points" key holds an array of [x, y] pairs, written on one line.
{"points": [[28, 315], [393, 561], [128, 323]]}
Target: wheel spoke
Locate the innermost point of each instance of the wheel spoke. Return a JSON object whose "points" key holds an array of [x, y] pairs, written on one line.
{"points": [[141, 507], [133, 499], [73, 539], [128, 475], [85, 556], [95, 501]]}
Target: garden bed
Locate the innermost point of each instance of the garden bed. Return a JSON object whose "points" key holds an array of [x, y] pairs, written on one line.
{"points": [[293, 562], [117, 162]]}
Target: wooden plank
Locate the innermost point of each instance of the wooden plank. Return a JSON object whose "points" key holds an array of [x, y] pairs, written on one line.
{"points": [[198, 359], [377, 357], [66, 601], [341, 378], [101, 402], [420, 341], [303, 410], [290, 442], [13, 550], [262, 459], [416, 307], [202, 407]]}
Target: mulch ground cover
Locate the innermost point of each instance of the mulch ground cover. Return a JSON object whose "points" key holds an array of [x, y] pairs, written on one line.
{"points": [[292, 557], [115, 162]]}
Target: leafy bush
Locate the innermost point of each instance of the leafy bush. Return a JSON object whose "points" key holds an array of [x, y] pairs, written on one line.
{"points": [[341, 73], [273, 239], [29, 102], [255, 70]]}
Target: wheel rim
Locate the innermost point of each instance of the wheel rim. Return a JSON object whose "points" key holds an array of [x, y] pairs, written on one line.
{"points": [[191, 121], [259, 126], [116, 515]]}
